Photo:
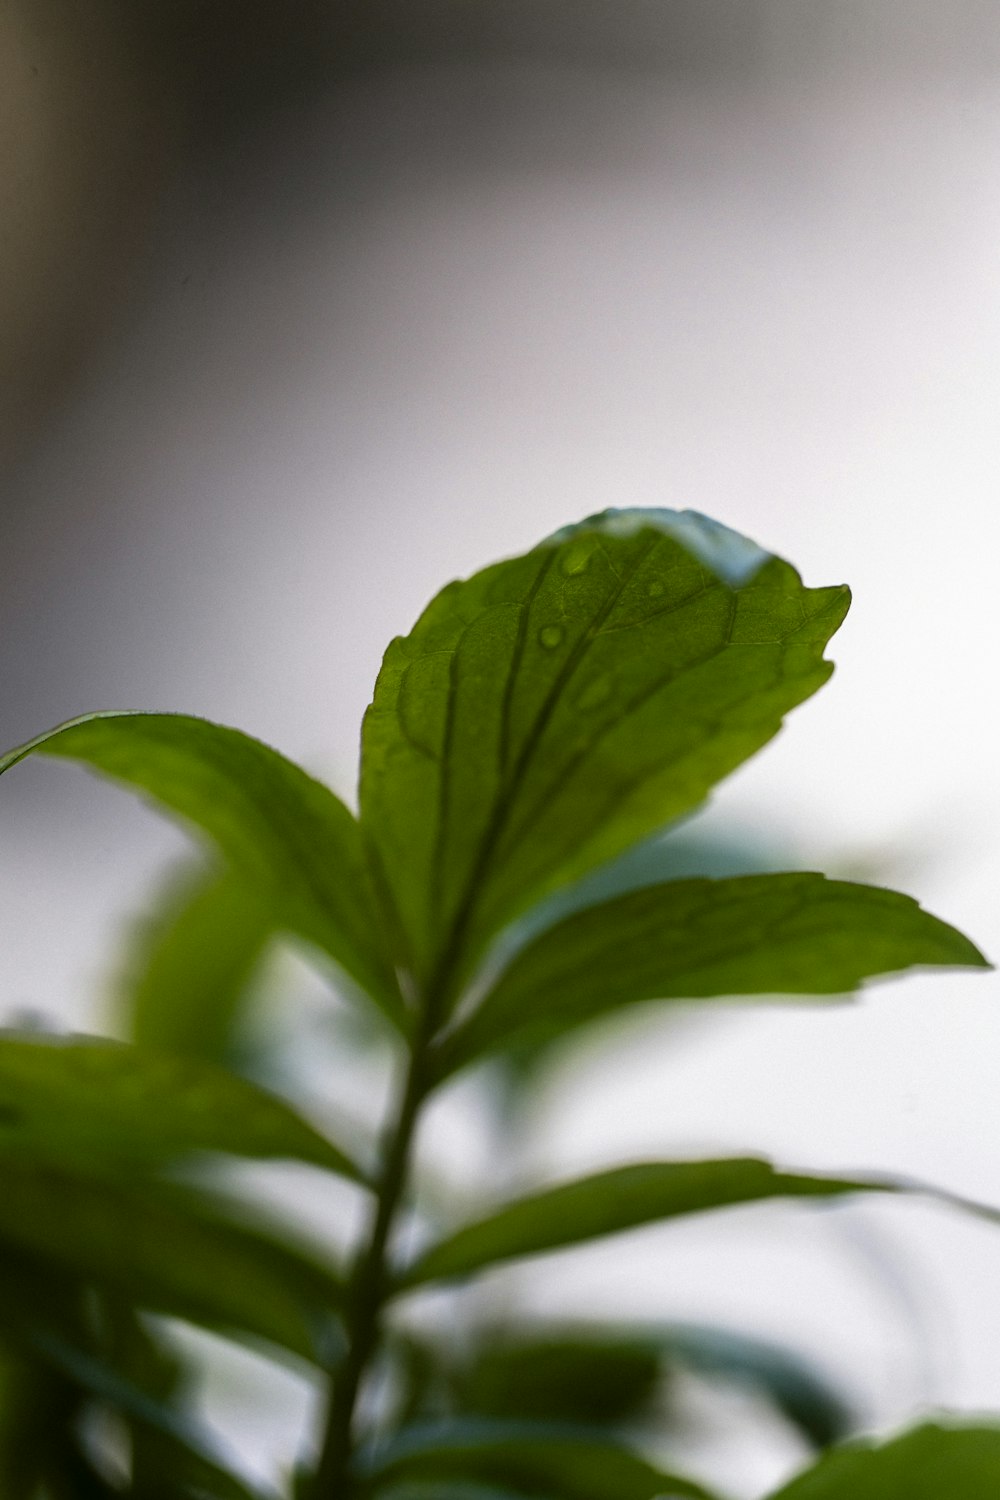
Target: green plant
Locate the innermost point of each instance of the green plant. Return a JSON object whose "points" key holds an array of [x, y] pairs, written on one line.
{"points": [[541, 720]]}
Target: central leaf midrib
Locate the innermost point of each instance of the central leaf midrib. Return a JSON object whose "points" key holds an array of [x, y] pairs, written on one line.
{"points": [[501, 810]]}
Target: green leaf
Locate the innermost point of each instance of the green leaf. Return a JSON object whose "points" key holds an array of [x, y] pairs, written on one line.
{"points": [[170, 1252], [795, 934], [592, 1373], [586, 1376], [434, 1489], [799, 1391], [551, 711], [612, 1201], [292, 840], [562, 1462], [194, 1450], [934, 1462], [189, 966], [102, 1106]]}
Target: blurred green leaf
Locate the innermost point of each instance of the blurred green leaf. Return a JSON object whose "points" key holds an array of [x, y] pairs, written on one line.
{"points": [[170, 1251], [549, 712], [435, 1489], [607, 1374], [930, 1463], [192, 1450], [795, 934], [292, 840], [41, 1448], [612, 1201], [188, 969], [26, 1422], [556, 1461], [791, 1383], [102, 1105], [583, 1376]]}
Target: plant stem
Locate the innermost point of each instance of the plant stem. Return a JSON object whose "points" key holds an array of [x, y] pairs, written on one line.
{"points": [[367, 1289]]}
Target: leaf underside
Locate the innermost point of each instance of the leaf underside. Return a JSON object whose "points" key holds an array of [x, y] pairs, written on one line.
{"points": [[612, 1201], [189, 966], [169, 1252], [291, 839], [564, 1463], [798, 934], [106, 1106], [549, 712]]}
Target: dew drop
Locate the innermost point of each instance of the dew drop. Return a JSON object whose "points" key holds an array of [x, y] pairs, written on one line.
{"points": [[575, 561], [550, 636], [595, 693]]}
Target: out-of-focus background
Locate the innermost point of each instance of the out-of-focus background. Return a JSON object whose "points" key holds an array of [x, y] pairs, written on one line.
{"points": [[309, 308]]}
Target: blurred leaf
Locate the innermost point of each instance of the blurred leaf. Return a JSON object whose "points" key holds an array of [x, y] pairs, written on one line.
{"points": [[583, 1377], [556, 1461], [612, 1201], [795, 934], [799, 1391], [930, 1463], [193, 1450], [436, 1490], [170, 1252], [102, 1105], [189, 966], [170, 1454], [551, 711], [606, 1374], [26, 1423], [293, 841]]}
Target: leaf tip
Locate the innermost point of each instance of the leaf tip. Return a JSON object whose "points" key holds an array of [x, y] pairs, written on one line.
{"points": [[732, 557]]}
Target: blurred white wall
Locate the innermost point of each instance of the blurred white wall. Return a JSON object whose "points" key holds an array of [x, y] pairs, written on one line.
{"points": [[407, 324]]}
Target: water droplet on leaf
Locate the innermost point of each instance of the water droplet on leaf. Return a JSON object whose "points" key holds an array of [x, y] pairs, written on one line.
{"points": [[550, 636]]}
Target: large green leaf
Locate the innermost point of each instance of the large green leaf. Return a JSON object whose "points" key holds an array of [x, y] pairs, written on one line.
{"points": [[562, 1462], [933, 1462], [289, 836], [187, 975], [103, 1105], [170, 1252], [689, 939], [612, 1201], [552, 710]]}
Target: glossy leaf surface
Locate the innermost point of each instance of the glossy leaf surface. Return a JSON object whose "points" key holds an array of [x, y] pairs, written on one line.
{"points": [[287, 834], [797, 934], [564, 1463], [106, 1105], [546, 714], [930, 1463], [612, 1201]]}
